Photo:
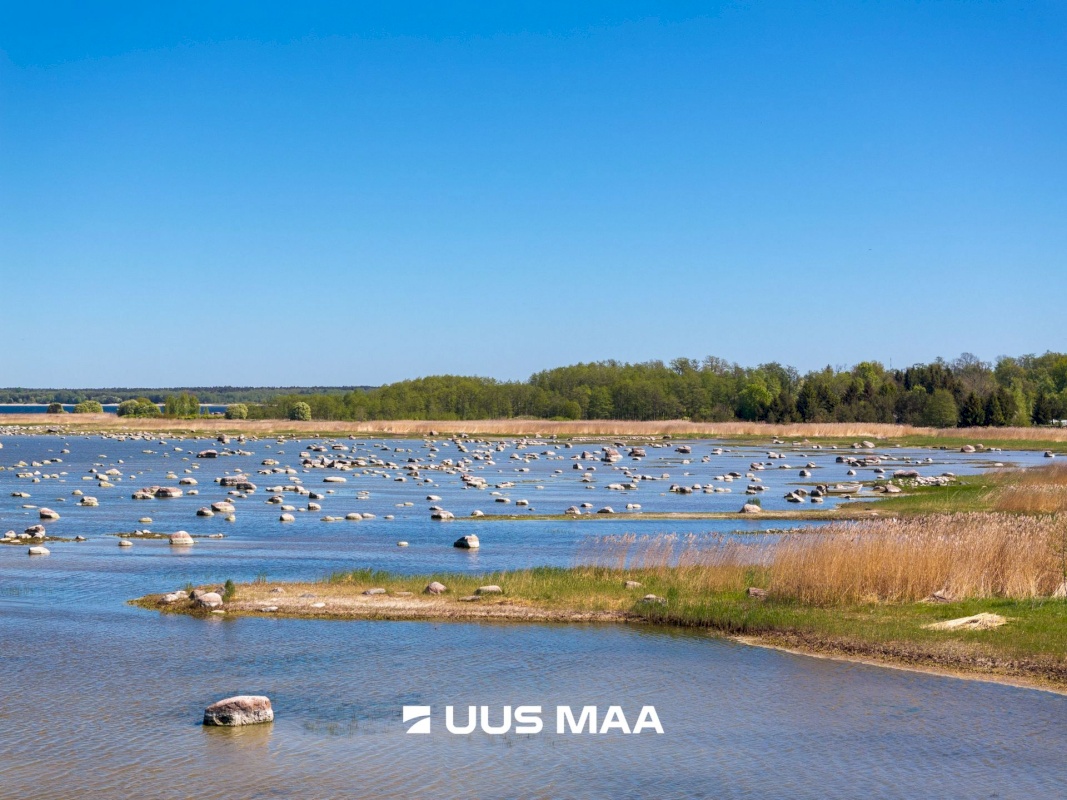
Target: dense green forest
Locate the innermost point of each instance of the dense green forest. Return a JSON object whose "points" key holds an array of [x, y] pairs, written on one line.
{"points": [[212, 395], [1025, 390]]}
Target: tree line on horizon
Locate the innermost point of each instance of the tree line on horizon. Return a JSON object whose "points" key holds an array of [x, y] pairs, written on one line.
{"points": [[965, 392], [212, 395]]}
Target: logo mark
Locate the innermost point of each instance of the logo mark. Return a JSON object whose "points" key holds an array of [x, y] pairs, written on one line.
{"points": [[421, 715]]}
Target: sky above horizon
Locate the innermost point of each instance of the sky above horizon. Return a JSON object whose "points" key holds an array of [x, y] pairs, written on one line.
{"points": [[338, 193]]}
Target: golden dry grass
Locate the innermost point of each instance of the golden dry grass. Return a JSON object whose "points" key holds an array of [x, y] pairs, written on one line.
{"points": [[975, 555], [531, 427], [1041, 490]]}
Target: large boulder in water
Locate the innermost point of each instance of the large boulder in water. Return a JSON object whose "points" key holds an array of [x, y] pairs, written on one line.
{"points": [[244, 709], [209, 600], [47, 513], [467, 542], [181, 538]]}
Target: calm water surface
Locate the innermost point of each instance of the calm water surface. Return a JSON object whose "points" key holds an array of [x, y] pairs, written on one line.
{"points": [[102, 700]]}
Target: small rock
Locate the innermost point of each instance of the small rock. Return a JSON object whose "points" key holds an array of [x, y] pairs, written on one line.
{"points": [[39, 550], [940, 596], [757, 592], [374, 592], [491, 589], [435, 588], [632, 585], [467, 542]]}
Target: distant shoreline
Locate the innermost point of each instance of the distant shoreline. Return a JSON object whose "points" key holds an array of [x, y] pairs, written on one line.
{"points": [[844, 433]]}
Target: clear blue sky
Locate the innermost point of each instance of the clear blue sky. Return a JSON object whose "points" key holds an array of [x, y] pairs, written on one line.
{"points": [[330, 193]]}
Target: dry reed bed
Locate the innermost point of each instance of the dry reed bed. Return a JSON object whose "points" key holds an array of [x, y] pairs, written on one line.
{"points": [[530, 427], [1041, 490], [973, 555]]}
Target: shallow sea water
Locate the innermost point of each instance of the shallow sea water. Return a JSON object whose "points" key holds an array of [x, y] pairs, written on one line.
{"points": [[103, 700]]}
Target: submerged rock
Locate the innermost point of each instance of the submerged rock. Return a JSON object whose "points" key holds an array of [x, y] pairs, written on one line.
{"points": [[240, 710]]}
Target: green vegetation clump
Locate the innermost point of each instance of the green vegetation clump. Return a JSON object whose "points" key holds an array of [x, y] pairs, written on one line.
{"points": [[56, 408], [300, 412], [966, 392], [89, 407], [139, 407], [229, 591], [182, 406], [237, 411]]}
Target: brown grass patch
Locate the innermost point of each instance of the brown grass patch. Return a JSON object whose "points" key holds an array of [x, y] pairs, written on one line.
{"points": [[975, 555], [1040, 490], [532, 427]]}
